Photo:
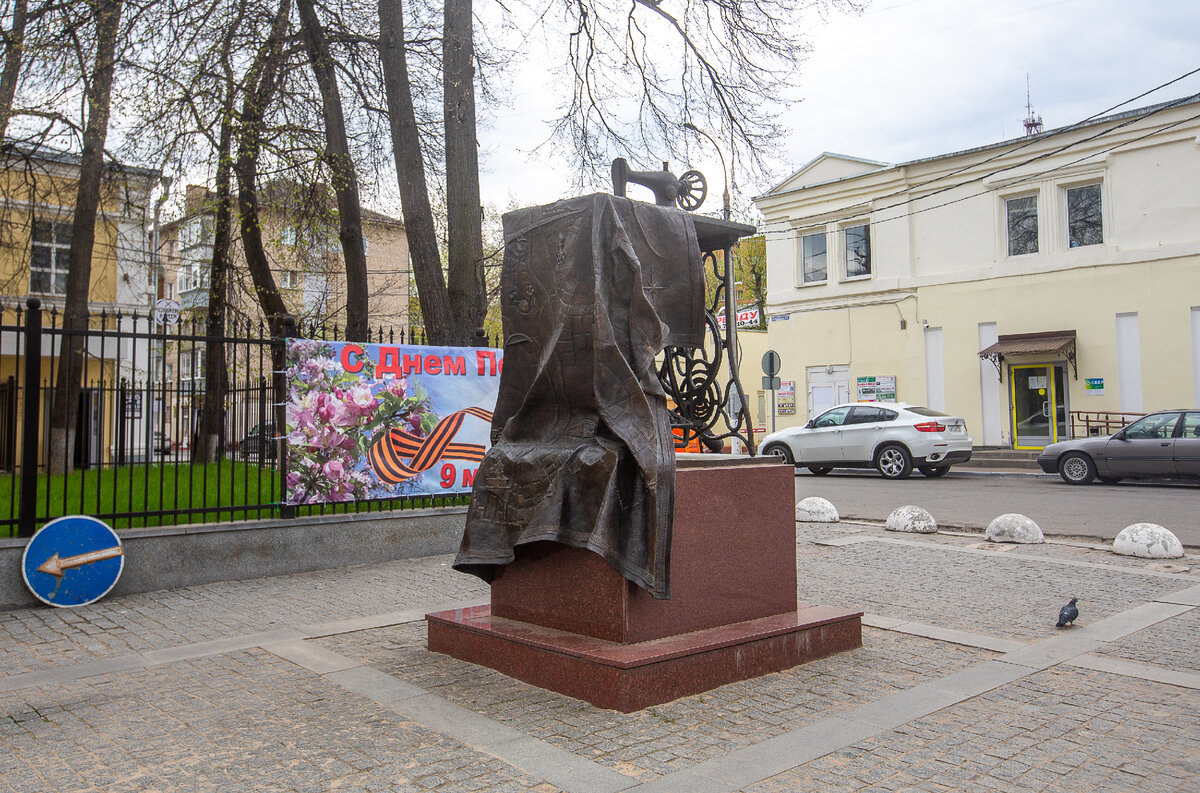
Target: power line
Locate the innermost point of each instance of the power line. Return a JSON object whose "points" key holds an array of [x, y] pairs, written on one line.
{"points": [[908, 190], [1053, 133], [1040, 174]]}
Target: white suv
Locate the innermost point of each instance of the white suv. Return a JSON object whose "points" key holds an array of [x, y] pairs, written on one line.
{"points": [[889, 437]]}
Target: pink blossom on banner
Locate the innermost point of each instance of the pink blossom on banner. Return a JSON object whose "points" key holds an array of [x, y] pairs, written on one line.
{"points": [[361, 401]]}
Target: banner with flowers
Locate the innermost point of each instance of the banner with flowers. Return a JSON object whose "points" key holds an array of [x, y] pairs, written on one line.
{"points": [[380, 421]]}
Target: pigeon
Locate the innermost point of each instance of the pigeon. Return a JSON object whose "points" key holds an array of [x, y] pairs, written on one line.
{"points": [[1067, 614]]}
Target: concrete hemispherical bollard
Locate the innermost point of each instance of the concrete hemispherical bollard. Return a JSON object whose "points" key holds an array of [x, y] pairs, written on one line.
{"points": [[815, 509], [1148, 541], [911, 519], [1013, 527]]}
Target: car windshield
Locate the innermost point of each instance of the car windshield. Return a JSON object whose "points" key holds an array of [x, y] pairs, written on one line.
{"points": [[930, 412]]}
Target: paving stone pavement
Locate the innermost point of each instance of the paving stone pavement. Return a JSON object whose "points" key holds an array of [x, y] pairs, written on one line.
{"points": [[34, 638], [1057, 730], [1166, 644], [320, 681], [678, 734]]}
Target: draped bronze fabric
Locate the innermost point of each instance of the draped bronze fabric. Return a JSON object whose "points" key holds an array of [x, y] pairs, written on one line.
{"points": [[592, 288]]}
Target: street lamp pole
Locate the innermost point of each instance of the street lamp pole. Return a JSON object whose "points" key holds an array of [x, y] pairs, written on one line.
{"points": [[724, 171]]}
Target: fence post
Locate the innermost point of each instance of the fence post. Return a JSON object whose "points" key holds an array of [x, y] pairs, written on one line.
{"points": [[122, 409], [31, 413], [286, 511]]}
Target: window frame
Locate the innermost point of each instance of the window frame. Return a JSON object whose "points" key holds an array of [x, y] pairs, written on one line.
{"points": [[54, 246], [1037, 220], [1066, 188], [824, 235], [844, 230]]}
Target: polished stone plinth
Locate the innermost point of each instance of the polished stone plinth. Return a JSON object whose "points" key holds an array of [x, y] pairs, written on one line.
{"points": [[629, 677], [561, 618]]}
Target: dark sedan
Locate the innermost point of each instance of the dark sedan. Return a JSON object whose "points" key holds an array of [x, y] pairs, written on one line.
{"points": [[1165, 444]]}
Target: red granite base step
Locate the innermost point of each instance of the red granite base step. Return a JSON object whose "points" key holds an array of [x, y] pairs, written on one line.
{"points": [[629, 677]]}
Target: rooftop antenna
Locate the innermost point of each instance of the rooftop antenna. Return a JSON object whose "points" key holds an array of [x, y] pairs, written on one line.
{"points": [[1033, 124]]}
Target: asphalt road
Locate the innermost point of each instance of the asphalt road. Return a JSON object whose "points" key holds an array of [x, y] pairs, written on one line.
{"points": [[971, 500]]}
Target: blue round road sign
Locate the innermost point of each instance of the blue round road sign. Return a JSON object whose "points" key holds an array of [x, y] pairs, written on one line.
{"points": [[72, 561]]}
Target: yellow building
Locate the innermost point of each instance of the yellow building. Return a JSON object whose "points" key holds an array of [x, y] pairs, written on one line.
{"points": [[301, 242], [1038, 287], [305, 255], [36, 216]]}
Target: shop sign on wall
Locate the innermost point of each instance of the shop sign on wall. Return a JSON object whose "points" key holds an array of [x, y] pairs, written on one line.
{"points": [[1094, 386], [746, 317], [877, 388], [786, 396]]}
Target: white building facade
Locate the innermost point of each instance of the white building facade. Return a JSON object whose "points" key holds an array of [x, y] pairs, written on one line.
{"points": [[1036, 287]]}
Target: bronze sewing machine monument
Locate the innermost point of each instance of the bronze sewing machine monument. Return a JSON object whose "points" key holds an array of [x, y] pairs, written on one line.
{"points": [[614, 579]]}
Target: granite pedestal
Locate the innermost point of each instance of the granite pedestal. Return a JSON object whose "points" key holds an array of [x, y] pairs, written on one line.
{"points": [[561, 618]]}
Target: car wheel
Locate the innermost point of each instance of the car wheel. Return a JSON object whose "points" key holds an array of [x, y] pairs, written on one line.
{"points": [[894, 462], [1076, 468], [820, 470], [1109, 480], [781, 451], [934, 471]]}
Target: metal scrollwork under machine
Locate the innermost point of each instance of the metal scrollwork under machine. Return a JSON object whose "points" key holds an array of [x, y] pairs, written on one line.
{"points": [[704, 408]]}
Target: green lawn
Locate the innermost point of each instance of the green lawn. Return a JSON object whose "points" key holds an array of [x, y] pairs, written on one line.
{"points": [[212, 492]]}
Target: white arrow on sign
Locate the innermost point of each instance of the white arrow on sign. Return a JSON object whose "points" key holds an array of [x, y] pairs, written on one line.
{"points": [[55, 566]]}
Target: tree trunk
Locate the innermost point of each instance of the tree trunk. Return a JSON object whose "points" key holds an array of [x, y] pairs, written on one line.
{"points": [[345, 181], [79, 267], [464, 214], [260, 88], [410, 173], [14, 49], [216, 378]]}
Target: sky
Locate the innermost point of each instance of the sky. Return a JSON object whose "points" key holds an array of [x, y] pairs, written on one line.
{"points": [[908, 79]]}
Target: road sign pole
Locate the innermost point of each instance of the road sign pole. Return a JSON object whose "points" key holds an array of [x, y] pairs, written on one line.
{"points": [[771, 364]]}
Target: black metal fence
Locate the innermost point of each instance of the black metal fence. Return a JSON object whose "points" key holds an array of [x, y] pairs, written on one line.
{"points": [[132, 446]]}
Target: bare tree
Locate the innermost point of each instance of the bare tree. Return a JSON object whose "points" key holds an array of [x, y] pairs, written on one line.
{"points": [[260, 87], [464, 211], [87, 201], [639, 69], [216, 376], [14, 48], [410, 174], [341, 166]]}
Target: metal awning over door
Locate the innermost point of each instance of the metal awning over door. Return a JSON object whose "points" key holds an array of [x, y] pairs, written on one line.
{"points": [[1054, 342]]}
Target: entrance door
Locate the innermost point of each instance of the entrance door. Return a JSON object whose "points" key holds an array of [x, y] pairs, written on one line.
{"points": [[1039, 405], [827, 386]]}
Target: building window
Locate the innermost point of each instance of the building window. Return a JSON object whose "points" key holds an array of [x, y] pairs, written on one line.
{"points": [[858, 251], [1022, 225], [50, 253], [290, 279], [1084, 225], [813, 254]]}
